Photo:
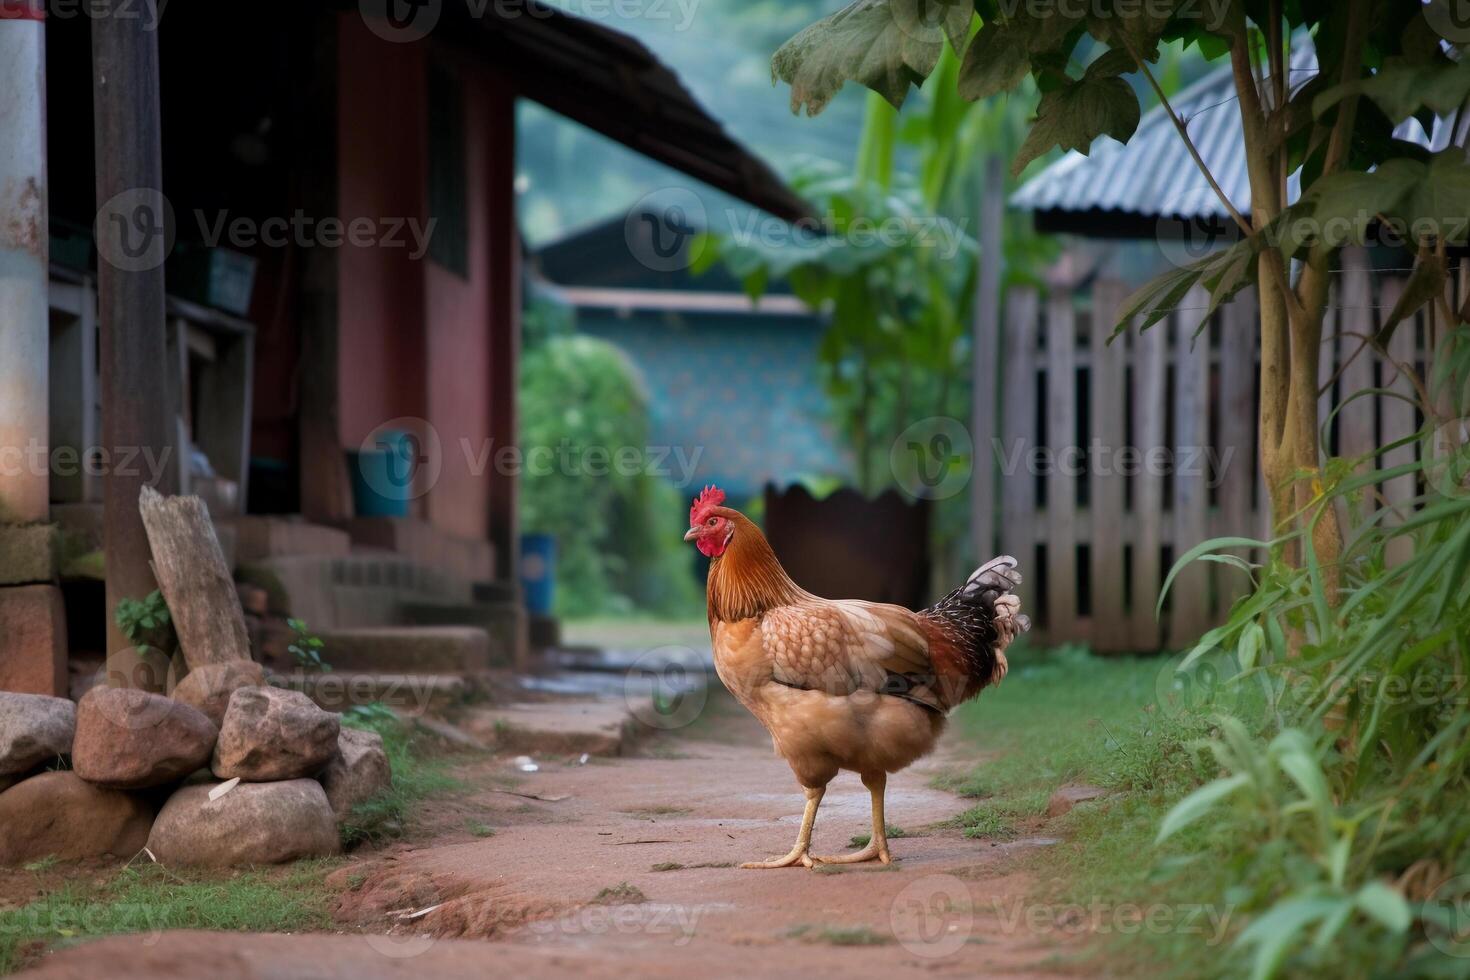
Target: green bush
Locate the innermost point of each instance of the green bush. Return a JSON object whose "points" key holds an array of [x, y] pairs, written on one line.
{"points": [[1352, 785], [617, 533]]}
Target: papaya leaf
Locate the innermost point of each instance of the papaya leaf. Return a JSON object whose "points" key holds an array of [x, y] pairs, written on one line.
{"points": [[885, 45], [996, 61], [1073, 116]]}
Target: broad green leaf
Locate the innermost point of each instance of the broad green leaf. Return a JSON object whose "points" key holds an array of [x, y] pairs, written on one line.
{"points": [[996, 61], [1385, 904], [886, 45], [1197, 804], [1401, 88], [1072, 117], [1274, 933], [1248, 649], [1425, 283]]}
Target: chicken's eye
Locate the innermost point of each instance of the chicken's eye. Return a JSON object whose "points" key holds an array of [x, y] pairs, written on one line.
{"points": [[711, 522]]}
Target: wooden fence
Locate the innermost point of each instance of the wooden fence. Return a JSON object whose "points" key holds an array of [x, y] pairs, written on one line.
{"points": [[1114, 459]]}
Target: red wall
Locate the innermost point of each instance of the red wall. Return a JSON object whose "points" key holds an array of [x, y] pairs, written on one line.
{"points": [[415, 337]]}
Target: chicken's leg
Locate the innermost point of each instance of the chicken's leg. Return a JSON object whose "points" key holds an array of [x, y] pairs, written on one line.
{"points": [[798, 854], [877, 848]]}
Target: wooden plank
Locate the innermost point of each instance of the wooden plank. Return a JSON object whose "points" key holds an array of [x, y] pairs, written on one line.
{"points": [[1105, 499], [91, 395], [1190, 613], [1019, 436], [225, 396], [1398, 415], [1237, 450], [134, 372], [1061, 482], [70, 411], [195, 581], [326, 494], [1150, 350], [1357, 422], [985, 354]]}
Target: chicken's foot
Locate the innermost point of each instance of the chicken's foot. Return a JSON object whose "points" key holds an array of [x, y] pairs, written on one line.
{"points": [[877, 849], [798, 854]]}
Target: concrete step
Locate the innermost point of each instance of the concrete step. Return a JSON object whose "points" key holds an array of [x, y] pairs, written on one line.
{"points": [[407, 649], [470, 559], [550, 729], [261, 536], [407, 694], [363, 589], [503, 622]]}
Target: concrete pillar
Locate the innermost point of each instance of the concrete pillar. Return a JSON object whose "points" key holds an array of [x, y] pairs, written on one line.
{"points": [[32, 619], [24, 316]]}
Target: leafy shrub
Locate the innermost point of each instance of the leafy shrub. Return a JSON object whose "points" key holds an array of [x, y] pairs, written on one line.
{"points": [[618, 547], [1352, 784]]}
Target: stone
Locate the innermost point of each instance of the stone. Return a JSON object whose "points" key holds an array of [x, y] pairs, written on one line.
{"points": [[251, 823], [1066, 797], [34, 729], [210, 687], [33, 640], [131, 739], [359, 771], [27, 553], [271, 734], [58, 814]]}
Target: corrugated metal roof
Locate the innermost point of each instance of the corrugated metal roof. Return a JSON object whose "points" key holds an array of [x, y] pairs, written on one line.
{"points": [[611, 83], [1153, 175]]}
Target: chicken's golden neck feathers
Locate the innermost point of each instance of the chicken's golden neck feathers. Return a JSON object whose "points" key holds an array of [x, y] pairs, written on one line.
{"points": [[747, 579]]}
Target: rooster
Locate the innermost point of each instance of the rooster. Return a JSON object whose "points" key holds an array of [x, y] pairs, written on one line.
{"points": [[845, 684]]}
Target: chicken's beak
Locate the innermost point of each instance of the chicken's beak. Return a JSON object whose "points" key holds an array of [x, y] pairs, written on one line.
{"points": [[691, 534]]}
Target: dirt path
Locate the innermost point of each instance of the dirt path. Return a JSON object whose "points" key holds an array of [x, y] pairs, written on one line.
{"points": [[459, 901]]}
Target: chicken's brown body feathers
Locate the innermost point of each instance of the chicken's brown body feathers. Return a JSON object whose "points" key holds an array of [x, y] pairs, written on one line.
{"points": [[844, 684]]}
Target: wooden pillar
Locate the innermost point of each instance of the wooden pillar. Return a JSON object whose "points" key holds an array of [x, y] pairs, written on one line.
{"points": [[325, 495], [505, 328], [132, 241]]}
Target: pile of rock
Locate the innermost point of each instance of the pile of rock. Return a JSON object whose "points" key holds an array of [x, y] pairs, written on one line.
{"points": [[227, 771]]}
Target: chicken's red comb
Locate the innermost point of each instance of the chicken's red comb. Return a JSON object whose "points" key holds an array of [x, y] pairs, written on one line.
{"points": [[707, 501]]}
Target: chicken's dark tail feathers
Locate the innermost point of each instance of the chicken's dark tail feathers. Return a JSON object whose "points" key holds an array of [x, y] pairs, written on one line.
{"points": [[984, 614]]}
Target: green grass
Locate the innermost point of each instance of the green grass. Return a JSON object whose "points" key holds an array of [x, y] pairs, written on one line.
{"points": [[480, 829], [838, 935], [149, 898], [620, 894], [417, 776], [1068, 717], [861, 840]]}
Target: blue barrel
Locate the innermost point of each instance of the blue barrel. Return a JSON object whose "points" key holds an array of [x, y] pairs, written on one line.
{"points": [[382, 478], [538, 572]]}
